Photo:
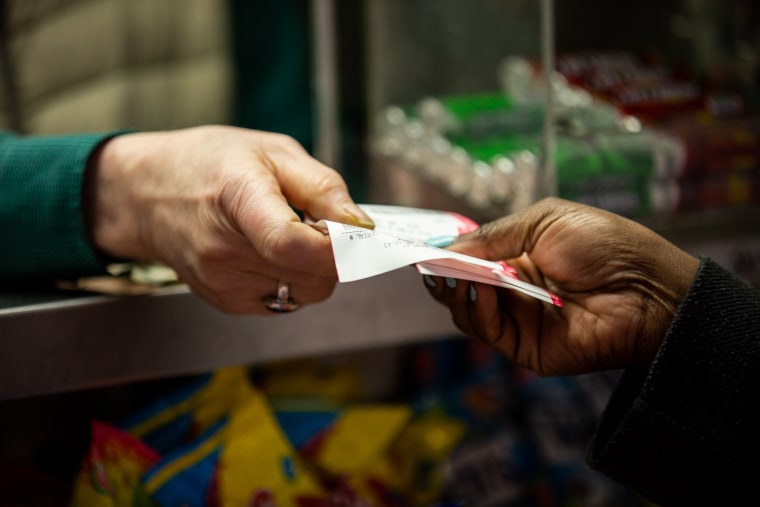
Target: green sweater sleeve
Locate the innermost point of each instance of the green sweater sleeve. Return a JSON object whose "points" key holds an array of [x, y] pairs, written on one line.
{"points": [[41, 219]]}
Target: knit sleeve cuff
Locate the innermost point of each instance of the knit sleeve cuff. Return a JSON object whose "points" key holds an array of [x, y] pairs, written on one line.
{"points": [[41, 216]]}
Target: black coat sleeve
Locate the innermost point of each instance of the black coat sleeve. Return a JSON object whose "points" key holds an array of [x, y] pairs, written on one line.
{"points": [[687, 432]]}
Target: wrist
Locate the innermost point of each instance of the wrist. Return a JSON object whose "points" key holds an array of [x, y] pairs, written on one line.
{"points": [[673, 278], [109, 214]]}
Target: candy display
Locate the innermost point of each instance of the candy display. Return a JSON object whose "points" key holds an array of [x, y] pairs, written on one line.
{"points": [[464, 429], [631, 134]]}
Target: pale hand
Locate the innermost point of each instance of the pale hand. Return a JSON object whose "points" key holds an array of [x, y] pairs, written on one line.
{"points": [[213, 203]]}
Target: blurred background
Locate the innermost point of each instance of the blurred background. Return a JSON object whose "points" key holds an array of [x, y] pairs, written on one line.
{"points": [[646, 108]]}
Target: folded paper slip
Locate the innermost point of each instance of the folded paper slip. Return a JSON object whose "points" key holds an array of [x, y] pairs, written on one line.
{"points": [[362, 253]]}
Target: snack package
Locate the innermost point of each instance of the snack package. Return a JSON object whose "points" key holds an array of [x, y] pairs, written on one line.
{"points": [[190, 412], [310, 381], [419, 454], [258, 465], [354, 454], [185, 476], [112, 471], [224, 443], [243, 458]]}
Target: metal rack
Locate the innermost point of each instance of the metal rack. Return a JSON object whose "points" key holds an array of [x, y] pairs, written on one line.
{"points": [[92, 341]]}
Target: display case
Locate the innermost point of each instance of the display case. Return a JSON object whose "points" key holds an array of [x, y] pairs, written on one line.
{"points": [[651, 112]]}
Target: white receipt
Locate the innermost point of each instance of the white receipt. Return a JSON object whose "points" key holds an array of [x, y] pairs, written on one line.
{"points": [[398, 241], [415, 224]]}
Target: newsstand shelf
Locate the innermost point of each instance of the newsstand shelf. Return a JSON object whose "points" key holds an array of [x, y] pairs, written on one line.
{"points": [[57, 343]]}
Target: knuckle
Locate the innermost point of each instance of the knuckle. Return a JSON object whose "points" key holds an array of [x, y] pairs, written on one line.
{"points": [[285, 142], [488, 230], [326, 183], [279, 246]]}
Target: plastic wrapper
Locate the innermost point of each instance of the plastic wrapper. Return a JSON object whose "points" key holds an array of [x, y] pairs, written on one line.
{"points": [[189, 412], [111, 473], [186, 475], [258, 464]]}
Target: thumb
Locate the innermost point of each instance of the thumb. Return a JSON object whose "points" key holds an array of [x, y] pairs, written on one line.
{"points": [[512, 235]]}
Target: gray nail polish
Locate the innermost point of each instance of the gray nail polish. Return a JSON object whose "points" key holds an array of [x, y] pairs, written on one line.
{"points": [[440, 241], [452, 283], [473, 293], [429, 281]]}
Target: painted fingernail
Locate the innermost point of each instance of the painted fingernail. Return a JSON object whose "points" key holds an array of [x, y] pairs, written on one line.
{"points": [[429, 281], [440, 241], [357, 216], [473, 293], [452, 283]]}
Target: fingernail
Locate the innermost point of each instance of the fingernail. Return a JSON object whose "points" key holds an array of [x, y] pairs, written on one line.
{"points": [[357, 216], [429, 281], [440, 241], [473, 293], [451, 282]]}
